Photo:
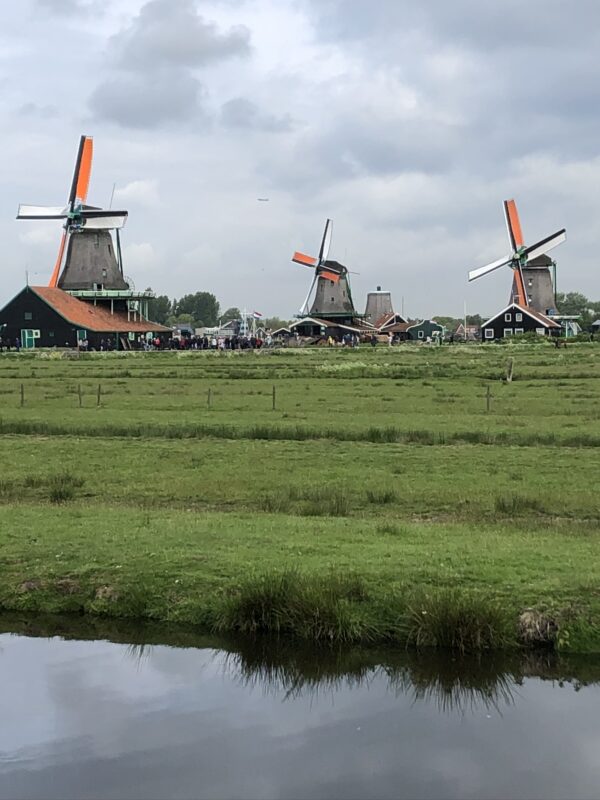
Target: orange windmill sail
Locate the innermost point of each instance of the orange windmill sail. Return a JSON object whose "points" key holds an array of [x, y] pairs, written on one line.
{"points": [[76, 214], [520, 256]]}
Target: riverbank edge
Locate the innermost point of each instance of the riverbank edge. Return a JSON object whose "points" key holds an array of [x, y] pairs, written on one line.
{"points": [[323, 609]]}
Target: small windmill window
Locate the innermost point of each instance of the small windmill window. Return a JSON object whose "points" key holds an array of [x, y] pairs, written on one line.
{"points": [[507, 317], [489, 333], [28, 315], [518, 317]]}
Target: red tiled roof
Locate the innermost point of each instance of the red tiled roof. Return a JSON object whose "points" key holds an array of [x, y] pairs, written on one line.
{"points": [[399, 327], [90, 317]]}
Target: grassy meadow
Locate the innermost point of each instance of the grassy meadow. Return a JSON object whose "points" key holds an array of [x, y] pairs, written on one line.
{"points": [[365, 494]]}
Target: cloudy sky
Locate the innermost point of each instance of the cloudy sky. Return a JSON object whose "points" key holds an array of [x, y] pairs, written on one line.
{"points": [[408, 123]]}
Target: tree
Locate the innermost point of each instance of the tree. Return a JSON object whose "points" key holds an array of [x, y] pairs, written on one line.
{"points": [[202, 306], [182, 319], [231, 313], [450, 323], [475, 319], [577, 304], [273, 323], [159, 308]]}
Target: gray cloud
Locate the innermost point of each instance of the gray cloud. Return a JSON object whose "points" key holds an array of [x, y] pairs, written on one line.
{"points": [[406, 123], [154, 82], [149, 100], [246, 115], [172, 33], [479, 25], [64, 8], [35, 110]]}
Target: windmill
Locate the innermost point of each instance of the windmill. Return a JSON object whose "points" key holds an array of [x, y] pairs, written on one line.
{"points": [[86, 247], [532, 283], [332, 296]]}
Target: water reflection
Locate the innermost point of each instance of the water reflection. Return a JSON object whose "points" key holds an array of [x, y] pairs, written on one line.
{"points": [[200, 717], [290, 670]]}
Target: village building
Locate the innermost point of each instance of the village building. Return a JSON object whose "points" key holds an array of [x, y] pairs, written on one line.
{"points": [[416, 331], [470, 333], [515, 320], [319, 328], [44, 316]]}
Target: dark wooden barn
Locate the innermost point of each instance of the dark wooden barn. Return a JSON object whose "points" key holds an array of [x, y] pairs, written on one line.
{"points": [[41, 316], [515, 320]]}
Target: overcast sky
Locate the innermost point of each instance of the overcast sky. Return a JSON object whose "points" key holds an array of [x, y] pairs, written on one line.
{"points": [[408, 123]]}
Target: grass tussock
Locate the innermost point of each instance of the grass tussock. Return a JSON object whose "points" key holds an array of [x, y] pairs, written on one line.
{"points": [[515, 505], [62, 487], [315, 501], [381, 497], [456, 621], [317, 608], [59, 487]]}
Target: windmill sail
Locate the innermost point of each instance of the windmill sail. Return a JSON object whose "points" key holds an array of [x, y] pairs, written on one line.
{"points": [[88, 261], [532, 282]]}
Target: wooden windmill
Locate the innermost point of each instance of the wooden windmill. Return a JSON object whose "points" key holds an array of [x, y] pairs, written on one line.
{"points": [[87, 257], [332, 297], [532, 282]]}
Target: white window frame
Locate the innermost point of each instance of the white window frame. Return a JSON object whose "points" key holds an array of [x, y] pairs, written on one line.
{"points": [[540, 331], [507, 332], [420, 334], [518, 317], [519, 330], [508, 317], [489, 333]]}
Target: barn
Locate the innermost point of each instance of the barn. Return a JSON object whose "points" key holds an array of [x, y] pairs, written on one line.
{"points": [[515, 320], [44, 316]]}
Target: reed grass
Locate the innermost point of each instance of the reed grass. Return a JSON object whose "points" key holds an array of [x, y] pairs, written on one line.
{"points": [[290, 603], [453, 620]]}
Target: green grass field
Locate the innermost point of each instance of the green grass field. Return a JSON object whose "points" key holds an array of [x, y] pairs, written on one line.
{"points": [[378, 494]]}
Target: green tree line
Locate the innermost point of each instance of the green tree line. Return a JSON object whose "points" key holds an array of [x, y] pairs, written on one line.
{"points": [[200, 310]]}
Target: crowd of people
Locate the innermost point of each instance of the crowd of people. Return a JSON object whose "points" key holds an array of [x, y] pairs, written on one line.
{"points": [[206, 343], [9, 344]]}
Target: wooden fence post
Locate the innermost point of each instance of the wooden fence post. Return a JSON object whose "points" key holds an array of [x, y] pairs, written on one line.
{"points": [[79, 394], [488, 398], [99, 395], [274, 399], [22, 395], [509, 370], [209, 397]]}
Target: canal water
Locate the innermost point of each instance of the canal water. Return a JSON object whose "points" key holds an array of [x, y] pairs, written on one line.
{"points": [[85, 718]]}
